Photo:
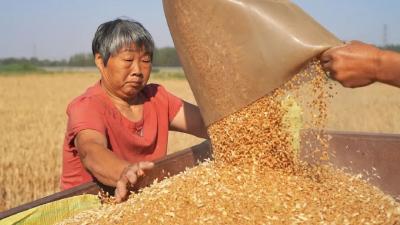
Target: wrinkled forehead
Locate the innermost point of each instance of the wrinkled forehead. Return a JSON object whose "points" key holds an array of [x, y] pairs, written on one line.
{"points": [[133, 48]]}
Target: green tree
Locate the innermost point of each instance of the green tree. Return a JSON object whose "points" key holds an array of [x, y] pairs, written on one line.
{"points": [[392, 47], [81, 59], [166, 57]]}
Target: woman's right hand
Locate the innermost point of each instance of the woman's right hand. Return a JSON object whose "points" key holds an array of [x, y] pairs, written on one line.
{"points": [[129, 177]]}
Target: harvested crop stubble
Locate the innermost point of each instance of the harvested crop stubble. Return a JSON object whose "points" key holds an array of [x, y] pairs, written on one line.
{"points": [[256, 177]]}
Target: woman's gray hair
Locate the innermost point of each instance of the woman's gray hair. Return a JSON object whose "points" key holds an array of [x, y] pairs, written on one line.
{"points": [[111, 36]]}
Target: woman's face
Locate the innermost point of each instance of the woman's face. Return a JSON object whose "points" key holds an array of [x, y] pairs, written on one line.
{"points": [[127, 72]]}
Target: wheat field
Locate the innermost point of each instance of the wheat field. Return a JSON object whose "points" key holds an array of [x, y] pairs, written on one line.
{"points": [[33, 121]]}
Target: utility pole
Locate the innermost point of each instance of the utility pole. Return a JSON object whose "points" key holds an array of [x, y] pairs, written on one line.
{"points": [[34, 53], [385, 35]]}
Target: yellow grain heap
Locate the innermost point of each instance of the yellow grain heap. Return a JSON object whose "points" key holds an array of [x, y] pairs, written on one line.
{"points": [[256, 177]]}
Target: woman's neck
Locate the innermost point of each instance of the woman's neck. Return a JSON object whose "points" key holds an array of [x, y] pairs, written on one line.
{"points": [[123, 102]]}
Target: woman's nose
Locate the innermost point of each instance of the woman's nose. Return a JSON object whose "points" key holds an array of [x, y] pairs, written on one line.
{"points": [[136, 70]]}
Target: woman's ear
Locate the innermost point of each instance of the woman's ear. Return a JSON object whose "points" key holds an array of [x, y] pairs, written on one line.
{"points": [[98, 60]]}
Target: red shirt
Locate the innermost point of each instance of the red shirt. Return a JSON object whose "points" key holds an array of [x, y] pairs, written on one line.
{"points": [[131, 141]]}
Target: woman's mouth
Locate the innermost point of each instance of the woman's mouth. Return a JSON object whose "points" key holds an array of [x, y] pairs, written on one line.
{"points": [[134, 83]]}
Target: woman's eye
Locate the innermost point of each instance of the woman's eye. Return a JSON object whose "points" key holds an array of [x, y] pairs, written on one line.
{"points": [[128, 59], [146, 60]]}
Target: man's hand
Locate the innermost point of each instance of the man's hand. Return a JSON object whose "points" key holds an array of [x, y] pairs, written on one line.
{"points": [[355, 64], [129, 176]]}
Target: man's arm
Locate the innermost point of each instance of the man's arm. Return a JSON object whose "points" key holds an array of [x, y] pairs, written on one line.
{"points": [[105, 165], [390, 69], [188, 120], [357, 64]]}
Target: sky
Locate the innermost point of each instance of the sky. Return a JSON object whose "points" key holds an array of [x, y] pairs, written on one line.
{"points": [[58, 29]]}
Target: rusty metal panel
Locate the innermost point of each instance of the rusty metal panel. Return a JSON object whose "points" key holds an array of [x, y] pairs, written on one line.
{"points": [[176, 163], [375, 156]]}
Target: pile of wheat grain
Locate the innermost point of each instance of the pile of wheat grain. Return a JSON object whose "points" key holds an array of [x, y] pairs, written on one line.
{"points": [[256, 177], [235, 195]]}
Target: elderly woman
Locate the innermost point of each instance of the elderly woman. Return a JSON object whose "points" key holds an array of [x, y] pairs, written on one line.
{"points": [[120, 124]]}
